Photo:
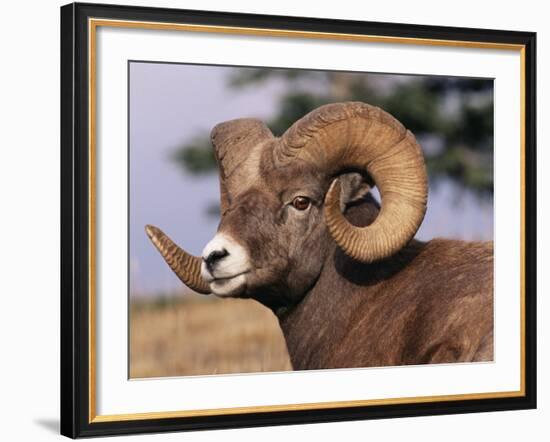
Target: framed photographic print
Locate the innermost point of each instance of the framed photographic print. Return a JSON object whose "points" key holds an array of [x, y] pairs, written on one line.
{"points": [[274, 220]]}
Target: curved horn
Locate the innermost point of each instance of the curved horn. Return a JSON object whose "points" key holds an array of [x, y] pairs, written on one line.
{"points": [[234, 142], [356, 136], [224, 194], [187, 267]]}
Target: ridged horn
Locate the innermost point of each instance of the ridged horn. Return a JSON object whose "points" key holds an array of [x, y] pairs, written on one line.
{"points": [[358, 137], [187, 267], [234, 142]]}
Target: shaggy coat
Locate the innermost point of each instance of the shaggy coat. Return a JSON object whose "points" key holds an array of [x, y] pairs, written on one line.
{"points": [[301, 234], [430, 303]]}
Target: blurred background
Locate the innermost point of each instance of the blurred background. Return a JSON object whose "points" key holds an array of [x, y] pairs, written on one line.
{"points": [[174, 185]]}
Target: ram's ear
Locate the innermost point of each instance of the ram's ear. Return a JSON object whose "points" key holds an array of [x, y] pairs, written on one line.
{"points": [[353, 187]]}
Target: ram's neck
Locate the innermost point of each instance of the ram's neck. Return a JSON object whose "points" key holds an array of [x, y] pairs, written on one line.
{"points": [[315, 327], [311, 326]]}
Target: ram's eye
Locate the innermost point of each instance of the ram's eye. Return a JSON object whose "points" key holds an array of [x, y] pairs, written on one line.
{"points": [[301, 203]]}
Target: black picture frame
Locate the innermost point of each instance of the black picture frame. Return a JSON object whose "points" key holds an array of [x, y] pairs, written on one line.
{"points": [[75, 219]]}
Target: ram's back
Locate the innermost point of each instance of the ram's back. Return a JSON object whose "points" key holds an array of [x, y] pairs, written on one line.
{"points": [[437, 308]]}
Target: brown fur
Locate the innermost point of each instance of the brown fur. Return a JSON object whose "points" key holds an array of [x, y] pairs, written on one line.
{"points": [[428, 302], [431, 303]]}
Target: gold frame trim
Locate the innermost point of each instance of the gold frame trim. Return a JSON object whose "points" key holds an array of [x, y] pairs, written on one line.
{"points": [[93, 24]]}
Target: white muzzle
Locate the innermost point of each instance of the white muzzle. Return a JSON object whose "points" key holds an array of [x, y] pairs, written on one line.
{"points": [[225, 264]]}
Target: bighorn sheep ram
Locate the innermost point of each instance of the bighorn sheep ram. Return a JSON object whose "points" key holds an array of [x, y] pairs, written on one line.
{"points": [[301, 234]]}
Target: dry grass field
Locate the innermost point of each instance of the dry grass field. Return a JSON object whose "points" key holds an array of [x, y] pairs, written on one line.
{"points": [[189, 335]]}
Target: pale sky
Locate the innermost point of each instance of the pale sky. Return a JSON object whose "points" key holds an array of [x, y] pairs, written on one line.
{"points": [[172, 103]]}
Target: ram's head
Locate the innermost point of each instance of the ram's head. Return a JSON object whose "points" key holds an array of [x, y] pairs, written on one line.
{"points": [[282, 200]]}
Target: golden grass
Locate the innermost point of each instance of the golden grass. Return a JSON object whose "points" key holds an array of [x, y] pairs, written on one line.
{"points": [[194, 337]]}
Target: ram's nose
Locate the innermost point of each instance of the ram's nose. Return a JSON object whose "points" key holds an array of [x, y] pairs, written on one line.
{"points": [[223, 258], [214, 257]]}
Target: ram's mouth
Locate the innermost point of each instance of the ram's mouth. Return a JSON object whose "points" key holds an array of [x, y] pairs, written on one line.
{"points": [[210, 278], [229, 286]]}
